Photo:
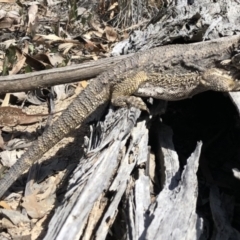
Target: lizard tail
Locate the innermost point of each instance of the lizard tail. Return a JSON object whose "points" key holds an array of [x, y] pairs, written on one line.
{"points": [[87, 106]]}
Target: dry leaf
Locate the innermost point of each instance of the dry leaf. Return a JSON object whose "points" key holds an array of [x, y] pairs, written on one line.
{"points": [[32, 12], [66, 47], [42, 38], [43, 58], [111, 15], [81, 11], [4, 205], [125, 35], [14, 216], [111, 34], [97, 26], [6, 23], [21, 96], [113, 6], [53, 39], [9, 19], [19, 63], [2, 143], [7, 1], [90, 46], [17, 67], [8, 43], [35, 208], [30, 60], [51, 3], [39, 204], [2, 13], [17, 143], [97, 33], [36, 64], [84, 84], [11, 117], [55, 58], [6, 100], [32, 17], [13, 14], [8, 158], [61, 91]]}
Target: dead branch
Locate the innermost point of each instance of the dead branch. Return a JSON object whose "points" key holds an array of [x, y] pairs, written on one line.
{"points": [[47, 78]]}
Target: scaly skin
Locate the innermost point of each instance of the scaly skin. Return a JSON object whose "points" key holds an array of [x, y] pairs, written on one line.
{"points": [[128, 77], [81, 109], [182, 86]]}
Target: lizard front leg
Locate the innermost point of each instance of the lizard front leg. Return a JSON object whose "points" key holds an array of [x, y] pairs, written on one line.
{"points": [[126, 86]]}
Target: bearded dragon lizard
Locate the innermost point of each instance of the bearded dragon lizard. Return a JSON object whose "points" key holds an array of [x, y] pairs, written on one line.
{"points": [[165, 69]]}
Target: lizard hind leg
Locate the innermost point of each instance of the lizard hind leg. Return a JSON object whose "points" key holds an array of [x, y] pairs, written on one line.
{"points": [[130, 101]]}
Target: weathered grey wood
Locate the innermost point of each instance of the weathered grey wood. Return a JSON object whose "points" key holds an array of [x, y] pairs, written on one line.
{"points": [[142, 201], [173, 213], [235, 96], [137, 146], [109, 170], [105, 177], [95, 175], [203, 20]]}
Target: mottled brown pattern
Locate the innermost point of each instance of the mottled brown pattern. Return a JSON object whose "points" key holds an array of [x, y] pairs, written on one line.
{"points": [[117, 84], [11, 117]]}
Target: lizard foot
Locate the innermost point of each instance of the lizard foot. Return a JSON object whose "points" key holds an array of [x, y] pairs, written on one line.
{"points": [[130, 101]]}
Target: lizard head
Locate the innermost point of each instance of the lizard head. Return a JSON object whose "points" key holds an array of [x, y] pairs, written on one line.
{"points": [[219, 80]]}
